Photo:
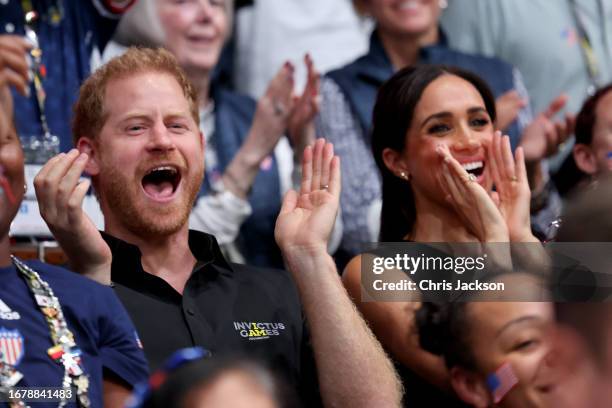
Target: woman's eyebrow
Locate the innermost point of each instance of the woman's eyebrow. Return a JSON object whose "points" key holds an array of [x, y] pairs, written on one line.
{"points": [[519, 320]]}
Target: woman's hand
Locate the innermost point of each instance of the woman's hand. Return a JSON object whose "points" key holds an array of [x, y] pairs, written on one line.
{"points": [[307, 219], [272, 114], [301, 129], [512, 194], [471, 201]]}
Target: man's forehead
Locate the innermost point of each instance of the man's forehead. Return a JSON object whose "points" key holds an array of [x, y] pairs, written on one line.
{"points": [[144, 91]]}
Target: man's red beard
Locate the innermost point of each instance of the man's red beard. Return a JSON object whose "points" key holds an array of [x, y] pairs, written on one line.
{"points": [[125, 199]]}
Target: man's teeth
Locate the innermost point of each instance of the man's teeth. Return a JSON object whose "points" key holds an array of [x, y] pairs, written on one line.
{"points": [[163, 168], [472, 165]]}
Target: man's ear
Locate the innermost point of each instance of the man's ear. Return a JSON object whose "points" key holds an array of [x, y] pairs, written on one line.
{"points": [[585, 158], [395, 163], [87, 145], [470, 387]]}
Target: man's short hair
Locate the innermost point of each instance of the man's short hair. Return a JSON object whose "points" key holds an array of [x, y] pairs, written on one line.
{"points": [[89, 114]]}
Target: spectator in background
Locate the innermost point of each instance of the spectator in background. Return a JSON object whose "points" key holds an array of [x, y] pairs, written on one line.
{"points": [[407, 33], [57, 329], [191, 378], [269, 32], [501, 354], [593, 149], [585, 332], [249, 163], [560, 47], [69, 34]]}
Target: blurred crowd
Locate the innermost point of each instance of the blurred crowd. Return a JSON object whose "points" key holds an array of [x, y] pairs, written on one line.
{"points": [[216, 172]]}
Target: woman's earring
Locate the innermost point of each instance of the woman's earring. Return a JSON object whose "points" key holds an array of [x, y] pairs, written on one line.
{"points": [[25, 188], [443, 4], [405, 175]]}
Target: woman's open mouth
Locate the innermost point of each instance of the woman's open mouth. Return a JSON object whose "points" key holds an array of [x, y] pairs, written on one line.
{"points": [[476, 168]]}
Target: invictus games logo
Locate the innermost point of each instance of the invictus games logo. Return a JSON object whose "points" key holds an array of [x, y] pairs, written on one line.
{"points": [[258, 330]]}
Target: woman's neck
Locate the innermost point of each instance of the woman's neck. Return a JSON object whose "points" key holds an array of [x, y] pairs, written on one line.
{"points": [[438, 223], [403, 50], [201, 81]]}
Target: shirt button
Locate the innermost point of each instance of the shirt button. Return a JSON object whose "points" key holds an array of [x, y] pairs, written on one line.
{"points": [[190, 312], [9, 27]]}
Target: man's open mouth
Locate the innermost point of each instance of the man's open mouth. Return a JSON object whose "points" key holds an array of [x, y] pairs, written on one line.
{"points": [[161, 182]]}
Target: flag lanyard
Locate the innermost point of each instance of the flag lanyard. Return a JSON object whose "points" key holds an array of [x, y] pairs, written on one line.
{"points": [[64, 350], [39, 70], [586, 46]]}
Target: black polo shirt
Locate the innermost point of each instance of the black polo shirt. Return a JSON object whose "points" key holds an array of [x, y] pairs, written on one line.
{"points": [[225, 308]]}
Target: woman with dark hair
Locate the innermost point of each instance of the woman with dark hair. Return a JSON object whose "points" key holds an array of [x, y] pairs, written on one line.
{"points": [[407, 33], [434, 142], [501, 354], [191, 378]]}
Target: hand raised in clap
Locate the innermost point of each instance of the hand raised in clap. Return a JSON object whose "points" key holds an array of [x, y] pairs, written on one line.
{"points": [[307, 218], [60, 198]]}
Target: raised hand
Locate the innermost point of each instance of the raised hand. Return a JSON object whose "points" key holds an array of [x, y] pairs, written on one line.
{"points": [[272, 114], [543, 136], [512, 193], [470, 200], [307, 218], [508, 106], [13, 69], [301, 129], [60, 197]]}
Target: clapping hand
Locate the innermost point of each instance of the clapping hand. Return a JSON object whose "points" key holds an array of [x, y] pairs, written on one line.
{"points": [[512, 194], [470, 200], [13, 70], [60, 194], [301, 128], [544, 135]]}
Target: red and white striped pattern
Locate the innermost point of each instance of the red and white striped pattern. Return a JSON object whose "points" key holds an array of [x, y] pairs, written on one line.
{"points": [[506, 380], [11, 346]]}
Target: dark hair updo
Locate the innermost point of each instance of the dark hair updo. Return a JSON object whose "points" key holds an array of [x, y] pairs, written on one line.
{"points": [[392, 117]]}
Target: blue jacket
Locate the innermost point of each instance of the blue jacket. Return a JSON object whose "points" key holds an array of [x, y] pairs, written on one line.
{"points": [[233, 117], [360, 80]]}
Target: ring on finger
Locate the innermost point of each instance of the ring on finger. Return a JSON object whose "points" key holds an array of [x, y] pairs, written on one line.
{"points": [[279, 108], [471, 177], [514, 179], [325, 187]]}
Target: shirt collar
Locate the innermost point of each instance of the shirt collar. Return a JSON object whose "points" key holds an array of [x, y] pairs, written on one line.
{"points": [[377, 65], [127, 267]]}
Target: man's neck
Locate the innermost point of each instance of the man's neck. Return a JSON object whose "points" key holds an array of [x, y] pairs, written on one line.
{"points": [[201, 81], [167, 257], [403, 50]]}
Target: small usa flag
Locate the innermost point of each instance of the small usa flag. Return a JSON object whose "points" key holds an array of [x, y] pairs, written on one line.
{"points": [[501, 381]]}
